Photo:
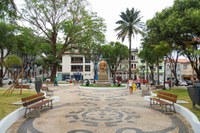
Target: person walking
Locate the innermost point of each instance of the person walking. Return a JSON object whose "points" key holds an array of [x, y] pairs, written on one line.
{"points": [[55, 81], [130, 85], [134, 86]]}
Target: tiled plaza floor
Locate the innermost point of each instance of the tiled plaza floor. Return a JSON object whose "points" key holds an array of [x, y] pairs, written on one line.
{"points": [[101, 111]]}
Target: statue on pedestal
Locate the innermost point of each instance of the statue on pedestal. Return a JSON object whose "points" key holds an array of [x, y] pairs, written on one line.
{"points": [[102, 75], [102, 66]]}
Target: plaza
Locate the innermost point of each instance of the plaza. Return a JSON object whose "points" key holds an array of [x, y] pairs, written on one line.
{"points": [[101, 111]]}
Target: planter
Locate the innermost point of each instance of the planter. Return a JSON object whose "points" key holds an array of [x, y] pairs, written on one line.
{"points": [[194, 93]]}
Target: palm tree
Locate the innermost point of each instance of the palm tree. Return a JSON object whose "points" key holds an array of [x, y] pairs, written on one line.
{"points": [[130, 25]]}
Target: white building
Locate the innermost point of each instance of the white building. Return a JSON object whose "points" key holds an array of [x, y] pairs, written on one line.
{"points": [[75, 65], [123, 69]]}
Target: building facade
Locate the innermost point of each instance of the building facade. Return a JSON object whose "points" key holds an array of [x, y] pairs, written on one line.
{"points": [[75, 66], [184, 70], [123, 70]]}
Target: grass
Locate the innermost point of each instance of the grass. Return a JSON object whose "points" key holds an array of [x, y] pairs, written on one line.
{"points": [[6, 105], [183, 95]]}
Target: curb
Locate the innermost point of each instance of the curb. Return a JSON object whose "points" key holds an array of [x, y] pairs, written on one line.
{"points": [[102, 88], [186, 113], [11, 118]]}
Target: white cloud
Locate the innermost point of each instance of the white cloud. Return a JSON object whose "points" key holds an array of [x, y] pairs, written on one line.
{"points": [[111, 9]]}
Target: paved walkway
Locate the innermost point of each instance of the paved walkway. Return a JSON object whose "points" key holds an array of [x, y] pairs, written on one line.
{"points": [[101, 111]]}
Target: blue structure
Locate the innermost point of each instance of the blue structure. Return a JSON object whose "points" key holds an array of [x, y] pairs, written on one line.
{"points": [[77, 76]]}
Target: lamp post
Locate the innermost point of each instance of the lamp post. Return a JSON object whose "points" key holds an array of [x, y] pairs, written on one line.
{"points": [[164, 73]]}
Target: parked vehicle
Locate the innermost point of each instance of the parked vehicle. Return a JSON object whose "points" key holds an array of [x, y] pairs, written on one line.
{"points": [[189, 82], [91, 81], [183, 83], [7, 81], [197, 83], [23, 81]]}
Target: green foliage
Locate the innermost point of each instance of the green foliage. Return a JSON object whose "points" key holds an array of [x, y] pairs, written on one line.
{"points": [[130, 24], [12, 60], [78, 26], [7, 9], [7, 36], [179, 26], [28, 44], [114, 53]]}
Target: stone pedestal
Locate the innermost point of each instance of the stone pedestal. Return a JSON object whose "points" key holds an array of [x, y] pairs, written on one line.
{"points": [[103, 79]]}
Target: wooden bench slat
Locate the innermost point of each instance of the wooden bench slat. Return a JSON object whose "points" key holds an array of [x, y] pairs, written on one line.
{"points": [[39, 104], [33, 101], [171, 99], [36, 101], [32, 97], [168, 94], [164, 99]]}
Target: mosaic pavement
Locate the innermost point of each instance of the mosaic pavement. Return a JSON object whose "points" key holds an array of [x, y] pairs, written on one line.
{"points": [[101, 111]]}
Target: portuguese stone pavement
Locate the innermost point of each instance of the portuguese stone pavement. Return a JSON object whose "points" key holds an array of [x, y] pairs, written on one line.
{"points": [[101, 111]]}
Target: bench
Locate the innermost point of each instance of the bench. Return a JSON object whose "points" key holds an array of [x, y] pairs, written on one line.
{"points": [[165, 100], [17, 86], [36, 102], [146, 91], [48, 92], [158, 87]]}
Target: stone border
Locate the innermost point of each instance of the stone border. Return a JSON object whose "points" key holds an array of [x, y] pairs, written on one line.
{"points": [[7, 121], [103, 88], [186, 113]]}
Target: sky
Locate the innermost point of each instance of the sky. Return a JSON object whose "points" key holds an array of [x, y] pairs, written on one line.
{"points": [[111, 9]]}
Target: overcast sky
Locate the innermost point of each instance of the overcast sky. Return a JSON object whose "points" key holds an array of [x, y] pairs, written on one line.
{"points": [[111, 9]]}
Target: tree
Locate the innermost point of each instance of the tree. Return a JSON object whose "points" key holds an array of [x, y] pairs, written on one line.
{"points": [[130, 25], [6, 44], [27, 47], [62, 22], [7, 9], [9, 62], [179, 25], [114, 53]]}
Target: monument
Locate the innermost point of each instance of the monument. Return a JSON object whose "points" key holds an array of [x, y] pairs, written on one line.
{"points": [[102, 75]]}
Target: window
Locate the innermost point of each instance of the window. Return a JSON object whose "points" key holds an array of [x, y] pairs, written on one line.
{"points": [[87, 60], [178, 67], [133, 57], [76, 59], [87, 68], [134, 66], [160, 67], [184, 66], [76, 68], [60, 68]]}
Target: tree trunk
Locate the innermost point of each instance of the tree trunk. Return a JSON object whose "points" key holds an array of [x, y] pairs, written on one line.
{"points": [[158, 75], [129, 56], [53, 71], [147, 72]]}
